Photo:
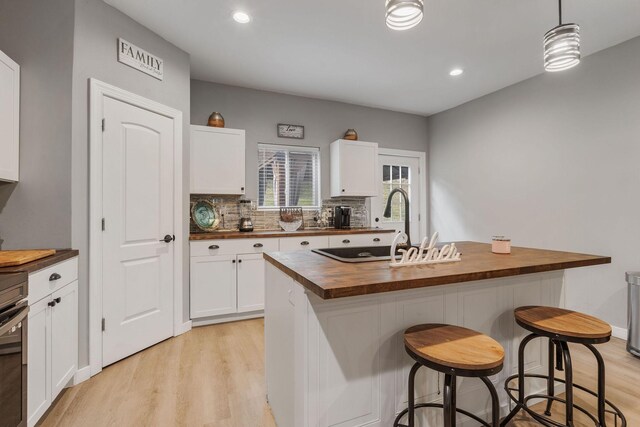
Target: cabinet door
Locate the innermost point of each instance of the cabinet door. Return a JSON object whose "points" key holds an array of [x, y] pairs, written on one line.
{"points": [[38, 360], [64, 337], [250, 283], [217, 160], [213, 285], [9, 118], [358, 166]]}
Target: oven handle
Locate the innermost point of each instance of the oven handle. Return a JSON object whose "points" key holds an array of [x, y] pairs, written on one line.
{"points": [[19, 317]]}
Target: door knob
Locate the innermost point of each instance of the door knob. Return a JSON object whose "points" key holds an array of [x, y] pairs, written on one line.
{"points": [[168, 238]]}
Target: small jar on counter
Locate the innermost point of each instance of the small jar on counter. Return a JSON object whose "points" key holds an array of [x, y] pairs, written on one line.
{"points": [[500, 245]]}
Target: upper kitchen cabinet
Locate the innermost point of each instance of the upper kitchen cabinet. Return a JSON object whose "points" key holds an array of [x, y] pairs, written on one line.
{"points": [[9, 118], [217, 160], [354, 168]]}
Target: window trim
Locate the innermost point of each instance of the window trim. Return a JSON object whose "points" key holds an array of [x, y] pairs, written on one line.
{"points": [[291, 147]]}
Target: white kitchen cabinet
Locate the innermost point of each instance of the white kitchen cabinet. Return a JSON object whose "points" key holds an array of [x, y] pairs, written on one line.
{"points": [[52, 341], [38, 361], [213, 285], [9, 119], [217, 160], [354, 166], [250, 280], [64, 337]]}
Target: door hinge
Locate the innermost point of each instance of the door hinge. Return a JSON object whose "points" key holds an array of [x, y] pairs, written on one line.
{"points": [[103, 324], [103, 224], [102, 125]]}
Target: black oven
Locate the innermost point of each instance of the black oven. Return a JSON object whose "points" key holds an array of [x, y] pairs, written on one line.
{"points": [[13, 351]]}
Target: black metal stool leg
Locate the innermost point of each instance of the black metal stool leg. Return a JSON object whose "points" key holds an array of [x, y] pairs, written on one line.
{"points": [[601, 384], [449, 400], [495, 402], [551, 390], [411, 394], [568, 377], [520, 401]]}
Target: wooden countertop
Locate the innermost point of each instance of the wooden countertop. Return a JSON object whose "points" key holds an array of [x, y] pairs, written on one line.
{"points": [[30, 267], [330, 279], [234, 234]]}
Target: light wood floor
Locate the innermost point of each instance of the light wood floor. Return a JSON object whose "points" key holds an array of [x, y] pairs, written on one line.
{"points": [[214, 376]]}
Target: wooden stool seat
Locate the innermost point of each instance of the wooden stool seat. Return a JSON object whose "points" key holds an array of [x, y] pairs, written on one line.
{"points": [[447, 348], [566, 325]]}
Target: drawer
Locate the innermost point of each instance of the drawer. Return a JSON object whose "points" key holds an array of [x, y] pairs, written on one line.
{"points": [[48, 280], [353, 240], [303, 243], [233, 246]]}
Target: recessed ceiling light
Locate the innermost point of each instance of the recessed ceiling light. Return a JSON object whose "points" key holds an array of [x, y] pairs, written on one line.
{"points": [[456, 72], [241, 17]]}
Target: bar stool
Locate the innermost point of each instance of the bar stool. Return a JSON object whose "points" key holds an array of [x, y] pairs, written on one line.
{"points": [[456, 352], [561, 327]]}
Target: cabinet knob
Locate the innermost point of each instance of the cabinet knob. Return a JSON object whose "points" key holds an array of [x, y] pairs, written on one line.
{"points": [[239, 260], [213, 247], [345, 241], [51, 303], [242, 188], [58, 300], [54, 277], [258, 245], [233, 261], [343, 190], [376, 239], [304, 243]]}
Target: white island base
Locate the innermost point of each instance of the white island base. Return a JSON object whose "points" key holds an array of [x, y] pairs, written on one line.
{"points": [[341, 362]]}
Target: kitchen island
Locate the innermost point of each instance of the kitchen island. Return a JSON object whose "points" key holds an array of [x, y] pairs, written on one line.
{"points": [[333, 330]]}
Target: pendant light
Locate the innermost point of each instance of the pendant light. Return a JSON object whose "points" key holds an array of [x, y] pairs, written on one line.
{"points": [[562, 45], [404, 14]]}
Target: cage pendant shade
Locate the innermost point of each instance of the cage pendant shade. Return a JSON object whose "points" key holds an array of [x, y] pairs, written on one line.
{"points": [[562, 47], [404, 14]]}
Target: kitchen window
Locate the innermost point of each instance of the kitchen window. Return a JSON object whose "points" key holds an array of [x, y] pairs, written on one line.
{"points": [[288, 176], [395, 176]]}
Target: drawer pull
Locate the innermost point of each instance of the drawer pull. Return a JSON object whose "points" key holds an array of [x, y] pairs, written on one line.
{"points": [[377, 239], [258, 245], [304, 243], [54, 277], [212, 247], [346, 241]]}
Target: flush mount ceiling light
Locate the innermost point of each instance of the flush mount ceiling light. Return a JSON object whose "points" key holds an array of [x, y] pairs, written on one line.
{"points": [[562, 45], [456, 72], [404, 14], [241, 17]]}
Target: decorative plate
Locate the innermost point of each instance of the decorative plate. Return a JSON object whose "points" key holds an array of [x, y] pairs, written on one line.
{"points": [[205, 215]]}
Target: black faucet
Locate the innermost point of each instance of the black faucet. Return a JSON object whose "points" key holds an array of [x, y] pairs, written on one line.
{"points": [[407, 212]]}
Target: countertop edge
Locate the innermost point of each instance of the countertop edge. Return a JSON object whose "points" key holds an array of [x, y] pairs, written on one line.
{"points": [[383, 287], [224, 235]]}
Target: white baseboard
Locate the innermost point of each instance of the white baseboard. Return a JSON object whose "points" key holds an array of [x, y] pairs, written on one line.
{"points": [[181, 329], [619, 332], [82, 375], [227, 318]]}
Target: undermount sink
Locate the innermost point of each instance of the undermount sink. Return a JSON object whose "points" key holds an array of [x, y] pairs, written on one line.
{"points": [[357, 254]]}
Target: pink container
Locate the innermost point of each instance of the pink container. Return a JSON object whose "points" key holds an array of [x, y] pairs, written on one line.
{"points": [[500, 245]]}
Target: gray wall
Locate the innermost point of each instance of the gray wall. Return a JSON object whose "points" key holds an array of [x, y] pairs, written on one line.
{"points": [[258, 112], [38, 35], [551, 162], [97, 27]]}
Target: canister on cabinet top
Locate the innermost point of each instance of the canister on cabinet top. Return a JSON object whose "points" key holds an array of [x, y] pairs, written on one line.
{"points": [[500, 245]]}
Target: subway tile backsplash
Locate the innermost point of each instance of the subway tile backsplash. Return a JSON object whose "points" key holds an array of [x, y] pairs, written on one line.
{"points": [[229, 208]]}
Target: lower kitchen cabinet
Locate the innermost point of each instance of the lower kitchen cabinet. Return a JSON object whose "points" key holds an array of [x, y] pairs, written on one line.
{"points": [[52, 348], [250, 283], [213, 285]]}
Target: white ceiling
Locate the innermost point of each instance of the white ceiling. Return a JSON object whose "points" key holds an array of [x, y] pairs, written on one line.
{"points": [[342, 50]]}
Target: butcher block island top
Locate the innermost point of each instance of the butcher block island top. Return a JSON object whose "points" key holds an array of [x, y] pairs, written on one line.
{"points": [[331, 279]]}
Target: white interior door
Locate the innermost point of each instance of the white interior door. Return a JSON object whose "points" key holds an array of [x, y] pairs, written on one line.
{"points": [[138, 206], [397, 172]]}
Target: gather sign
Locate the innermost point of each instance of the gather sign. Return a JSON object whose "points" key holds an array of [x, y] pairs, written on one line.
{"points": [[140, 59]]}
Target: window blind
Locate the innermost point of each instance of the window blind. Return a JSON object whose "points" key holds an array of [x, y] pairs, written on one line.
{"points": [[288, 176]]}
